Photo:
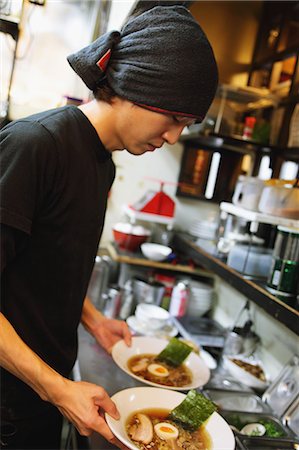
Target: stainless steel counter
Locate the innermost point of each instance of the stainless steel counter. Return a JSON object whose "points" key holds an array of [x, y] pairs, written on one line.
{"points": [[96, 366]]}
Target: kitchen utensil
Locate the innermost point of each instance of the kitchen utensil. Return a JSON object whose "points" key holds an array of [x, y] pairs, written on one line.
{"points": [[280, 198], [155, 252], [148, 291], [252, 261], [130, 237], [248, 192], [243, 375], [99, 281], [151, 316]]}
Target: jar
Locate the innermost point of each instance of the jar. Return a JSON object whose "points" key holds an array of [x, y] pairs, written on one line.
{"points": [[280, 198], [284, 272], [247, 192]]}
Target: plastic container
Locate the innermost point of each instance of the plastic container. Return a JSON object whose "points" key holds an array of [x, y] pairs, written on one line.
{"points": [[248, 192], [252, 261], [280, 198]]}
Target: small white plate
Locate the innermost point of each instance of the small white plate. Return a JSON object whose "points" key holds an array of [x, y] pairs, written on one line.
{"points": [[243, 375], [135, 399], [121, 353], [167, 331]]}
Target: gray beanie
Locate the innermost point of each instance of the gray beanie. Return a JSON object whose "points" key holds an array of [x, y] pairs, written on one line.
{"points": [[161, 60]]}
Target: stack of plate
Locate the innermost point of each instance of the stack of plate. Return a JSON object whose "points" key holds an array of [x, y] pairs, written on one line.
{"points": [[204, 229], [201, 298]]}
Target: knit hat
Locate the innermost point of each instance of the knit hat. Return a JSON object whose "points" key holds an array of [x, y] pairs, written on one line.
{"points": [[161, 60]]}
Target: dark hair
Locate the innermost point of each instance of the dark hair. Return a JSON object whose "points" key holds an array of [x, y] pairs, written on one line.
{"points": [[104, 92]]}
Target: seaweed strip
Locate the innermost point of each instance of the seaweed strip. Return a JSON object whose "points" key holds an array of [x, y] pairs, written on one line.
{"points": [[174, 353], [193, 411]]}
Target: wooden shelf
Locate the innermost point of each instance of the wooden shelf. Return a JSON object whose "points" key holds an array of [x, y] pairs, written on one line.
{"points": [[137, 259], [279, 310]]}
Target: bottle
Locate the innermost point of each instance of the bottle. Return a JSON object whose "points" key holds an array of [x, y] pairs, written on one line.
{"points": [[179, 299], [248, 128], [284, 273]]}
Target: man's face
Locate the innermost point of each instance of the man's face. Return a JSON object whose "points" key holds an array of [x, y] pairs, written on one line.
{"points": [[141, 130]]}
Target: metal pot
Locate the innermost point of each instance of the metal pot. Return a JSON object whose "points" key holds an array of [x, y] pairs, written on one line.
{"points": [[148, 291]]}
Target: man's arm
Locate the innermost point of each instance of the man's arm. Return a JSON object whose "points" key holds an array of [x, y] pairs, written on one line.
{"points": [[106, 331], [79, 402]]}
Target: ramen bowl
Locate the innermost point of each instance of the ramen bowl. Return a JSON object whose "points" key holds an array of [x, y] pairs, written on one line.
{"points": [[137, 399], [142, 345]]}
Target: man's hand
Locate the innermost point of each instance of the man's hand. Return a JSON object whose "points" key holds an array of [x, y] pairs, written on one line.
{"points": [[110, 331], [106, 331], [84, 404]]}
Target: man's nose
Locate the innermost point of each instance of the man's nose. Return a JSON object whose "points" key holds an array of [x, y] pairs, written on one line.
{"points": [[172, 135]]}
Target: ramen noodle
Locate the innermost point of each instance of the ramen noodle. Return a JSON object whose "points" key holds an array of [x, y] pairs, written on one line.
{"points": [[147, 367], [151, 429]]}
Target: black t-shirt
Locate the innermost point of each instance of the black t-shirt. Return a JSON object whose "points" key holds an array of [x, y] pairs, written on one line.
{"points": [[55, 178]]}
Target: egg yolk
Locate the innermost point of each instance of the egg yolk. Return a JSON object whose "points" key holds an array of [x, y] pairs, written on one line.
{"points": [[158, 370]]}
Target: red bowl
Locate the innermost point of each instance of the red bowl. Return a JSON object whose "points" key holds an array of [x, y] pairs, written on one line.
{"points": [[127, 241]]}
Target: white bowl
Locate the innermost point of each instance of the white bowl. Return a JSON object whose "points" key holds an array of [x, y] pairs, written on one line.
{"points": [[243, 375], [152, 316], [135, 399], [121, 353], [155, 252]]}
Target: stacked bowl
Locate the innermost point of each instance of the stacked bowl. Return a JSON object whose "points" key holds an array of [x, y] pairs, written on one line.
{"points": [[201, 298]]}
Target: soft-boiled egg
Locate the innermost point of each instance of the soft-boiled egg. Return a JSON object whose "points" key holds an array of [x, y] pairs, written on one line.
{"points": [[165, 430], [158, 370]]}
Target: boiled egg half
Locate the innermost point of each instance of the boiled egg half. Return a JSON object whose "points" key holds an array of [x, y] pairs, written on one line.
{"points": [[165, 430], [158, 370]]}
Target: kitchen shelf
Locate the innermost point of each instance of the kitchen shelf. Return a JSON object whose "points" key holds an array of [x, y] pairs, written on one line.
{"points": [[275, 307], [137, 259], [257, 217]]}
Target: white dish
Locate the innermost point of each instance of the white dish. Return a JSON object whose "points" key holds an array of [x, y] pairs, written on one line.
{"points": [[155, 252], [136, 399], [152, 316], [140, 328], [121, 353], [243, 375]]}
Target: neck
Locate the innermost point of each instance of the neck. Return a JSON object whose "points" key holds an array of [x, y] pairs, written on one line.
{"points": [[101, 116]]}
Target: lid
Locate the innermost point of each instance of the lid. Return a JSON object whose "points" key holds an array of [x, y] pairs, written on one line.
{"points": [[288, 229], [282, 392]]}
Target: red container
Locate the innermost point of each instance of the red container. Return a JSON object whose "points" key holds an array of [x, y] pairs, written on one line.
{"points": [[129, 237]]}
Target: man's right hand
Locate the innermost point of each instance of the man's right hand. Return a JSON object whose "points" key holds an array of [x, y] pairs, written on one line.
{"points": [[82, 404]]}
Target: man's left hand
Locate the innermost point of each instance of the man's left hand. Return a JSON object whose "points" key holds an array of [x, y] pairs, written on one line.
{"points": [[110, 331]]}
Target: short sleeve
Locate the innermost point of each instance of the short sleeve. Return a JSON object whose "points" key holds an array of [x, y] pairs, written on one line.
{"points": [[28, 161]]}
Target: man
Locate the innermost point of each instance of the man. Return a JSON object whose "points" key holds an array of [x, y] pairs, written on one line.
{"points": [[150, 81]]}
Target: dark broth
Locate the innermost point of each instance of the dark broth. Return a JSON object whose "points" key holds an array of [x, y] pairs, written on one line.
{"points": [[197, 440], [178, 376]]}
